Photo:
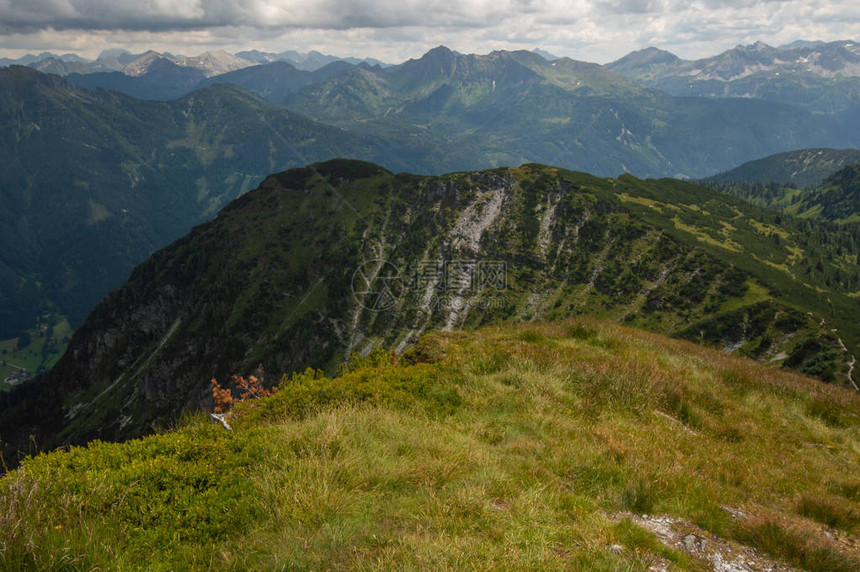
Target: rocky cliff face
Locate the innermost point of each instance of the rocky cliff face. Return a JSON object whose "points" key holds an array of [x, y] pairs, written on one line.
{"points": [[344, 256]]}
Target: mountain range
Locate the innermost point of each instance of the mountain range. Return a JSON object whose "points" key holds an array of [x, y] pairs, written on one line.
{"points": [[306, 61], [126, 158], [164, 76], [210, 63], [448, 111], [507, 108], [822, 77], [819, 76]]}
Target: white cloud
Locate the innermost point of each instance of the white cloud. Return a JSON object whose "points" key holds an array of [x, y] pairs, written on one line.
{"points": [[595, 30], [181, 14]]}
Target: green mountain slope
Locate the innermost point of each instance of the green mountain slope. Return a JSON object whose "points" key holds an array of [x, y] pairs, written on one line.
{"points": [[447, 111], [835, 200], [344, 256], [563, 446], [800, 168], [92, 182]]}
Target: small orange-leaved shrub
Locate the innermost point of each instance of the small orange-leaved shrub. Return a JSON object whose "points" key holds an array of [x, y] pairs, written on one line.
{"points": [[247, 388]]}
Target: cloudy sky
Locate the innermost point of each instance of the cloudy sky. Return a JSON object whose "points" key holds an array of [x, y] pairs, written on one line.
{"points": [[591, 30]]}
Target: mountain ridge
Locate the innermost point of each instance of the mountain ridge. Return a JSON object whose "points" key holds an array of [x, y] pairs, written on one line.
{"points": [[509, 108], [213, 62], [469, 249], [821, 77], [803, 167], [836, 199]]}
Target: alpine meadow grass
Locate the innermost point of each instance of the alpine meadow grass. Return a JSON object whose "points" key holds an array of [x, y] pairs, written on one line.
{"points": [[530, 448]]}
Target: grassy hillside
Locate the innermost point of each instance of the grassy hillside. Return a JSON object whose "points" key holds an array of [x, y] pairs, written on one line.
{"points": [[563, 446]]}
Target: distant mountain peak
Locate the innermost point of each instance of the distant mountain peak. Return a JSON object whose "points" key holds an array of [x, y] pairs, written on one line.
{"points": [[216, 62], [757, 46], [646, 61], [439, 58], [439, 51], [545, 55], [656, 55], [818, 76], [142, 64], [112, 53]]}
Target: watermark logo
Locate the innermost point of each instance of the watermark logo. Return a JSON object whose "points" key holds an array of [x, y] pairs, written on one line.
{"points": [[450, 302], [464, 276], [378, 285]]}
